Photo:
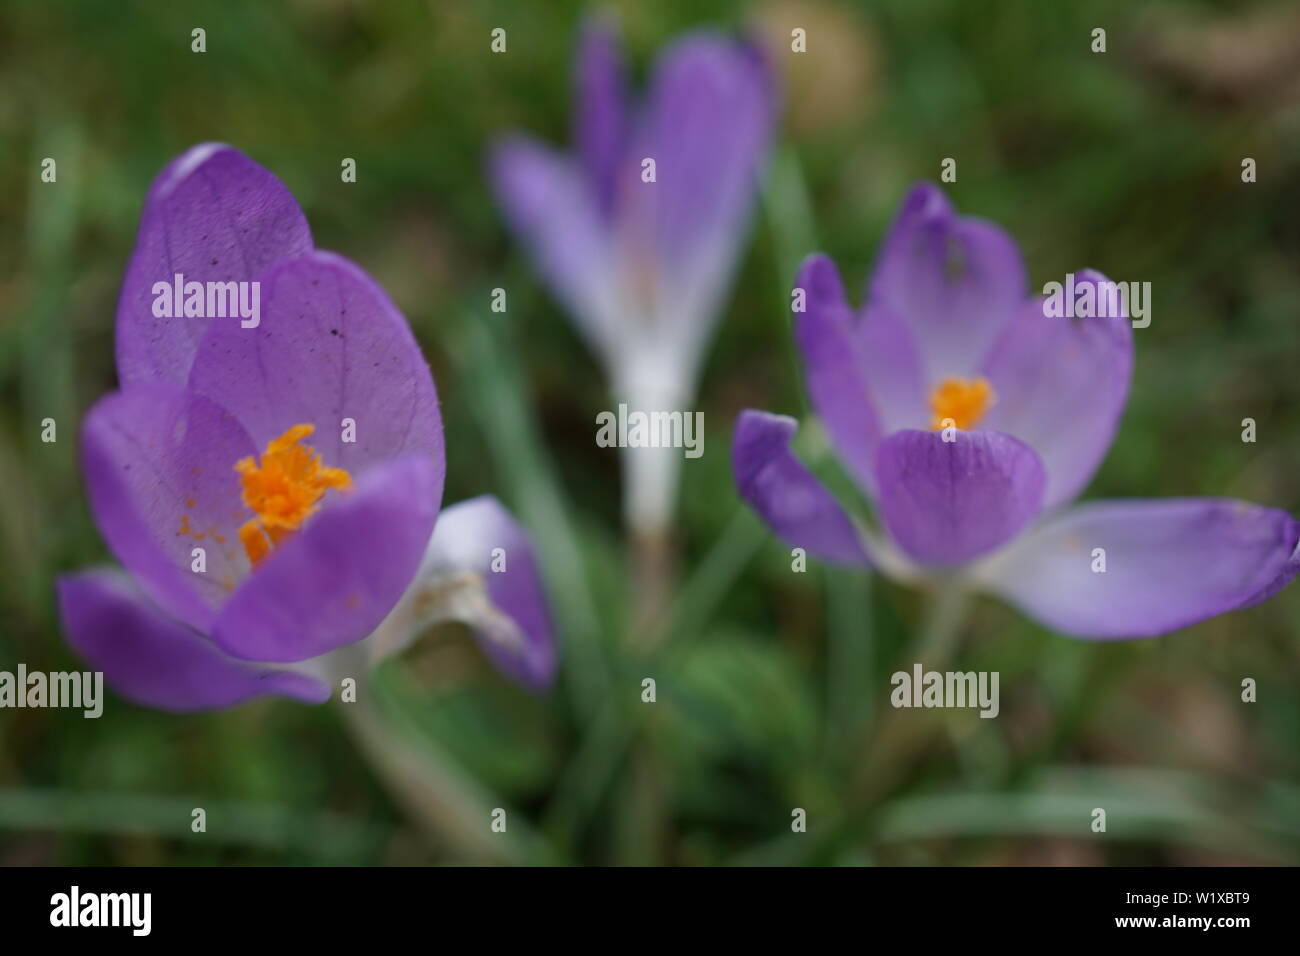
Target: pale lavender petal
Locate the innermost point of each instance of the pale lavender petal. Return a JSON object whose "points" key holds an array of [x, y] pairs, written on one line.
{"points": [[862, 376], [331, 583], [1168, 563], [946, 502], [552, 210], [709, 120], [160, 473], [331, 351], [155, 660], [600, 119], [481, 537], [892, 368], [212, 215], [833, 367], [955, 281], [1061, 384], [786, 495]]}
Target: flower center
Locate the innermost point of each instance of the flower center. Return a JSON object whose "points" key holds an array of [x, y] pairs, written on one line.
{"points": [[283, 490], [961, 402]]}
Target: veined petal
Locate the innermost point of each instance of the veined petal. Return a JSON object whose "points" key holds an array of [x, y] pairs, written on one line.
{"points": [[331, 583], [786, 495], [155, 660], [1061, 386], [1167, 563], [480, 537], [159, 465], [332, 351], [947, 502], [955, 281], [212, 215], [554, 213]]}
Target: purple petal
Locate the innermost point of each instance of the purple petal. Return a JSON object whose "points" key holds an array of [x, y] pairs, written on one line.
{"points": [[708, 125], [786, 495], [892, 368], [465, 539], [956, 282], [331, 346], [863, 377], [156, 661], [331, 583], [1061, 385], [212, 215], [600, 118], [160, 472], [946, 502], [551, 209], [833, 366], [1168, 563]]}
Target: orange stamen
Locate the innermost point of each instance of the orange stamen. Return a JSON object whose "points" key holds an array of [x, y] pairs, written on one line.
{"points": [[283, 490], [960, 403]]}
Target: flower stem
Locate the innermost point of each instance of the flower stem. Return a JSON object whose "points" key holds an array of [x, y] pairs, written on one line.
{"points": [[902, 733], [943, 624], [652, 582], [447, 805]]}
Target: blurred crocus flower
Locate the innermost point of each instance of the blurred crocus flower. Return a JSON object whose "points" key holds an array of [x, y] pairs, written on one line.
{"points": [[1030, 403], [638, 232], [272, 489]]}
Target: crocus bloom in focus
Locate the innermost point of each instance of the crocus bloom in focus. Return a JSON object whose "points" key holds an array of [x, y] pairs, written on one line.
{"points": [[1032, 402], [271, 490], [642, 267]]}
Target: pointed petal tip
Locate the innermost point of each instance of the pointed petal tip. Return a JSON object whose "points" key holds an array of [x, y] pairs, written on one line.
{"points": [[786, 495], [1135, 568]]}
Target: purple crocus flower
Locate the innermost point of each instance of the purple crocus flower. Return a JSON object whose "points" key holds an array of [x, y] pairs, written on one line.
{"points": [[1030, 403], [271, 484], [642, 267]]}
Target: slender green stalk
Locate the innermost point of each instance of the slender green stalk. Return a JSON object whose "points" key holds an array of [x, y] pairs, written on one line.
{"points": [[446, 804], [941, 632], [901, 734]]}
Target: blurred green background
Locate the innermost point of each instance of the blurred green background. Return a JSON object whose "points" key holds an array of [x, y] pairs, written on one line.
{"points": [[772, 686]]}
